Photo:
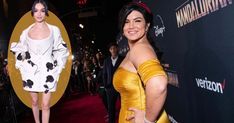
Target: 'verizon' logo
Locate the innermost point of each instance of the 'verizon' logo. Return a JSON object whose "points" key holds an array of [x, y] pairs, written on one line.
{"points": [[211, 85]]}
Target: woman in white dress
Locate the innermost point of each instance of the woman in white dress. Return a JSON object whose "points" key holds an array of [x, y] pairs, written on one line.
{"points": [[41, 54]]}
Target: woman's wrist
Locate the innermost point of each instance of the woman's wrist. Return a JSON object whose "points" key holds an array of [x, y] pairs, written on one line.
{"points": [[147, 121]]}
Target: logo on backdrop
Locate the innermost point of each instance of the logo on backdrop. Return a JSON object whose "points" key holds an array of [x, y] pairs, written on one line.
{"points": [[192, 10], [159, 26], [217, 87], [172, 78], [172, 119], [171, 75]]}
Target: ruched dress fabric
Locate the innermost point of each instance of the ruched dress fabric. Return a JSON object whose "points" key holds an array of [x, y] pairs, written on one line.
{"points": [[131, 88], [40, 61]]}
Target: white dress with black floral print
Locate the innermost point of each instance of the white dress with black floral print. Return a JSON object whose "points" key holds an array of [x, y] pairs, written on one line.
{"points": [[40, 61]]}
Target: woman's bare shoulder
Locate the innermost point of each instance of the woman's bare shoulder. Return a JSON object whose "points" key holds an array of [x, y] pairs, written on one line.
{"points": [[141, 53]]}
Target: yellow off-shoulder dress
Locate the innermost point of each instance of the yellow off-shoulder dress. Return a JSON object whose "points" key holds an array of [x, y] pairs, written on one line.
{"points": [[131, 90]]}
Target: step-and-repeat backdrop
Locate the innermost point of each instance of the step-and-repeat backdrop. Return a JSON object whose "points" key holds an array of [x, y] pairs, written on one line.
{"points": [[196, 43]]}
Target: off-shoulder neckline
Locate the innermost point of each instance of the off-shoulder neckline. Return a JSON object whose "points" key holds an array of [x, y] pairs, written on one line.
{"points": [[149, 60]]}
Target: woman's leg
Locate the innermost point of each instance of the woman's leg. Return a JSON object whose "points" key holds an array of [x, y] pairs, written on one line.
{"points": [[45, 107], [35, 107]]}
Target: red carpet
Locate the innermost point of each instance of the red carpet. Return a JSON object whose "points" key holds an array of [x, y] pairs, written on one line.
{"points": [[80, 108]]}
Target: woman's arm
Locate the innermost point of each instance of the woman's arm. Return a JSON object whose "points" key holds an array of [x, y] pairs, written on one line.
{"points": [[155, 86], [19, 49], [156, 91], [60, 50]]}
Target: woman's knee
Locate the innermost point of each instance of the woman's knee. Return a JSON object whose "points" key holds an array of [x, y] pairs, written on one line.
{"points": [[35, 102], [45, 106]]}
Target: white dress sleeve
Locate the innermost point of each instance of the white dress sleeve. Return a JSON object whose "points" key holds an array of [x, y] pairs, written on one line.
{"points": [[19, 49], [60, 51]]}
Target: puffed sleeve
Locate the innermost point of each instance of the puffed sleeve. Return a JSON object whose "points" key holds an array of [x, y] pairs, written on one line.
{"points": [[60, 50], [19, 49], [149, 69]]}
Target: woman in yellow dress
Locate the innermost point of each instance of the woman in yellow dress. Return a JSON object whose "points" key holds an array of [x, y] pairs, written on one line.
{"points": [[140, 79]]}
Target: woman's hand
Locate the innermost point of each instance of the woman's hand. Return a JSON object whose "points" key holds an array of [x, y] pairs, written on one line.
{"points": [[137, 116]]}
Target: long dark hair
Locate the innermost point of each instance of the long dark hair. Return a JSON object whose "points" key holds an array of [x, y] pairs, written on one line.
{"points": [[138, 6], [145, 11]]}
